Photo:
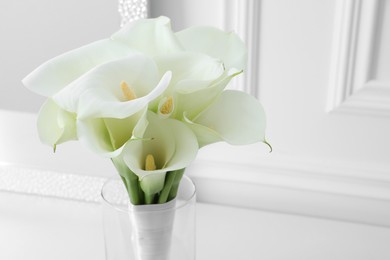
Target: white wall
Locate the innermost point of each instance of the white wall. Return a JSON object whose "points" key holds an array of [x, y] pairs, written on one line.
{"points": [[32, 32], [187, 13]]}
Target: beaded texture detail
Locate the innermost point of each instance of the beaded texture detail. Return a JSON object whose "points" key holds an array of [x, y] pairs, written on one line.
{"points": [[50, 184], [131, 10]]}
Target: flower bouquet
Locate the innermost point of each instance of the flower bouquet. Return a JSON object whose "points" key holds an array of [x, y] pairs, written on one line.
{"points": [[148, 98]]}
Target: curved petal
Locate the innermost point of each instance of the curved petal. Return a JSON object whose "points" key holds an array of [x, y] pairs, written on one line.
{"points": [[153, 183], [107, 136], [55, 125], [55, 74], [227, 47], [194, 102], [203, 134], [98, 92], [173, 145], [236, 117], [190, 69], [150, 36]]}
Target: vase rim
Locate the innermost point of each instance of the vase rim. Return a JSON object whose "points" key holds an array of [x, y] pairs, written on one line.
{"points": [[156, 207]]}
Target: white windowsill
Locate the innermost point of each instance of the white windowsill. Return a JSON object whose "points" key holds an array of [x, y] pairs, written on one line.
{"points": [[34, 227]]}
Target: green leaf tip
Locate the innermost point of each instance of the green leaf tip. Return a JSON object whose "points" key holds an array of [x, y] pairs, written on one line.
{"points": [[54, 148], [269, 145]]}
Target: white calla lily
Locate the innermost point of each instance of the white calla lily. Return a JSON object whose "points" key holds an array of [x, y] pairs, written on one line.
{"points": [[55, 125], [100, 93], [190, 70], [191, 73], [55, 74], [107, 136], [151, 36], [235, 117], [226, 46], [194, 101], [172, 144], [148, 98]]}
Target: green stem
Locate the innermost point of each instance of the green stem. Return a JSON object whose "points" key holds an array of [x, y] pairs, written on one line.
{"points": [[169, 179], [134, 189], [130, 180], [175, 184], [124, 182]]}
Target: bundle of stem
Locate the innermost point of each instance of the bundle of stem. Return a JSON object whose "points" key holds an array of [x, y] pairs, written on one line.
{"points": [[137, 195]]}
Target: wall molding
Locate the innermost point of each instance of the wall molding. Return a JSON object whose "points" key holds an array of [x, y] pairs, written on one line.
{"points": [[243, 17], [352, 87], [293, 190]]}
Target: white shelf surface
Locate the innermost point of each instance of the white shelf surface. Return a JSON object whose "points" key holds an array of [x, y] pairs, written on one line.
{"points": [[34, 227]]}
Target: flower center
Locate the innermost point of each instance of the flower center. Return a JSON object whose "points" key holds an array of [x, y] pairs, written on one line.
{"points": [[127, 91], [167, 107], [150, 165]]}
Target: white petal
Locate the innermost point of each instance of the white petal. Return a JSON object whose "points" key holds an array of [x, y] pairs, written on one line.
{"points": [[153, 183], [150, 36], [238, 118], [174, 146], [188, 67], [55, 125], [194, 102], [98, 92], [55, 74], [227, 47], [107, 136], [203, 134]]}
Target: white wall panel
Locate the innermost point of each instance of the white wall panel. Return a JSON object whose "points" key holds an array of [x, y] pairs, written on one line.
{"points": [[382, 64], [295, 44], [361, 60]]}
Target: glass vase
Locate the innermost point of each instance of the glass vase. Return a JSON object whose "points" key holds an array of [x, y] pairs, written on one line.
{"points": [[148, 232]]}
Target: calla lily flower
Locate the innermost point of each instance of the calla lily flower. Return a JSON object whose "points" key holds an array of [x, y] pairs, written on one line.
{"points": [[107, 136], [235, 117], [148, 98], [225, 46], [116, 89], [55, 125], [57, 73], [191, 73], [193, 101], [149, 36], [111, 100], [171, 143]]}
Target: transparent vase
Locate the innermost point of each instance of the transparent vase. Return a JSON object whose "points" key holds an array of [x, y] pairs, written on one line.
{"points": [[145, 232]]}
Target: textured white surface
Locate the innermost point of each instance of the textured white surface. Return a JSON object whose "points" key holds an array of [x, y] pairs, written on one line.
{"points": [[131, 10], [51, 184], [45, 229]]}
